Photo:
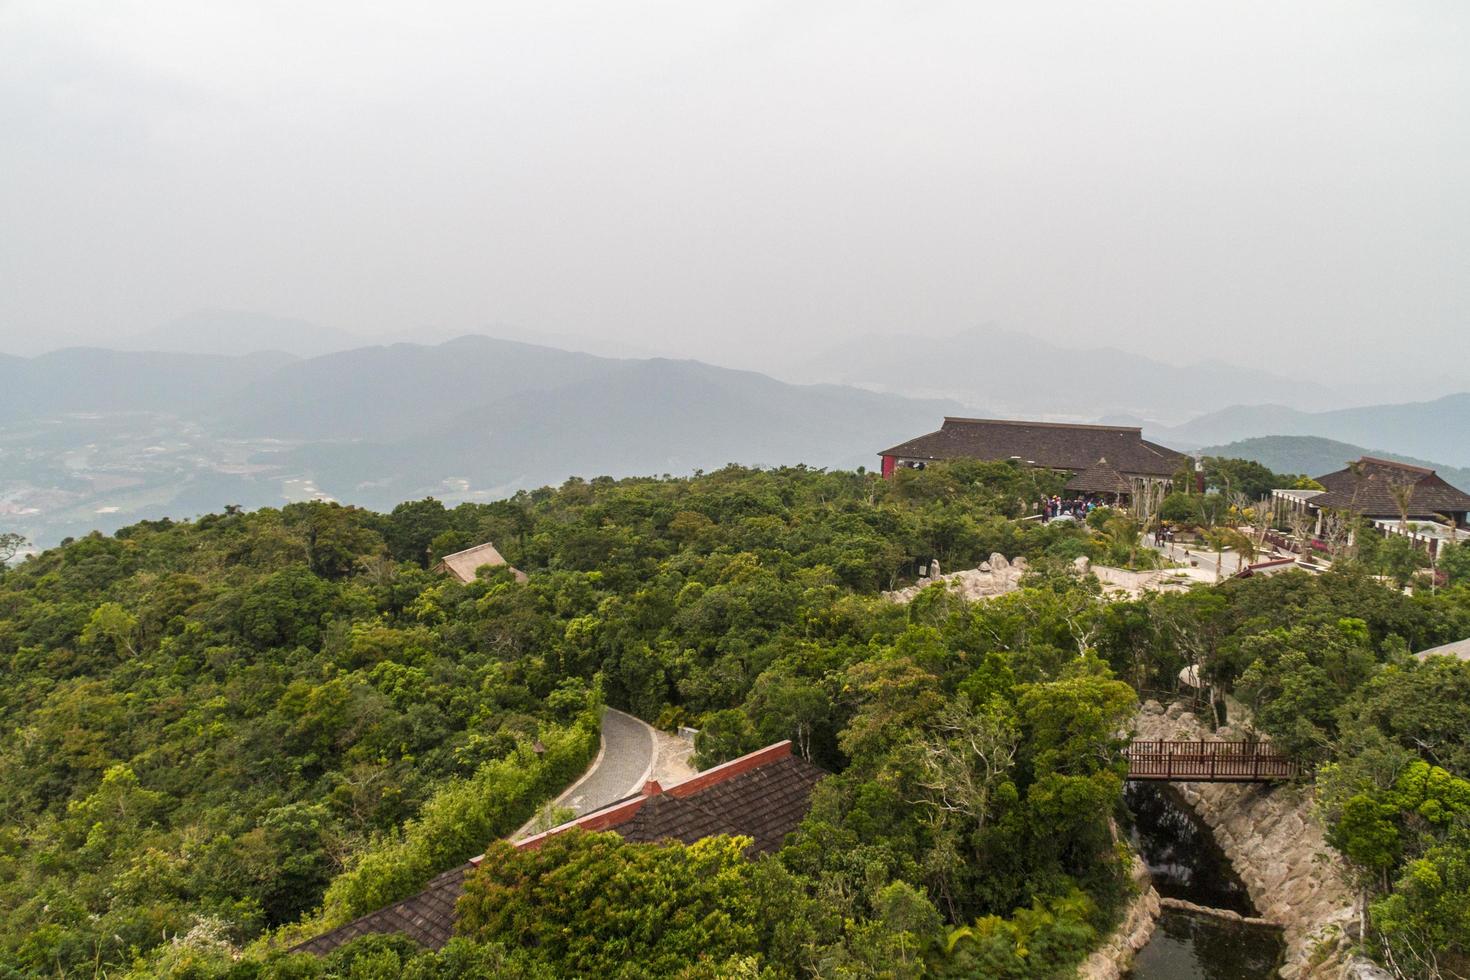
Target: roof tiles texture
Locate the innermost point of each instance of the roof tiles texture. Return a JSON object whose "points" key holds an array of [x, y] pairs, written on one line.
{"points": [[427, 918], [1100, 477], [763, 795], [1050, 444], [1371, 486], [463, 564]]}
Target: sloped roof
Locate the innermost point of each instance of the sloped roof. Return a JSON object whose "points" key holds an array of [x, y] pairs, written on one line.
{"points": [[763, 795], [1100, 477], [427, 918], [1054, 445], [1460, 650], [668, 818], [1369, 485], [463, 564]]}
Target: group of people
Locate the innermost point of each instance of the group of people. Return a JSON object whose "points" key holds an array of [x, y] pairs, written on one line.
{"points": [[1075, 507]]}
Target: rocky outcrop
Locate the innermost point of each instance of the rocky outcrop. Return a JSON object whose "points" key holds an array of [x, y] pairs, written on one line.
{"points": [[1271, 834], [1111, 960], [994, 577]]}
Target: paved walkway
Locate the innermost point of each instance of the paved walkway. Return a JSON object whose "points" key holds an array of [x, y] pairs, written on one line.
{"points": [[628, 750], [1230, 562], [632, 753]]}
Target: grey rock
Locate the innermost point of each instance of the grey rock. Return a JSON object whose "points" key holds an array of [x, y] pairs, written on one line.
{"points": [[1361, 969]]}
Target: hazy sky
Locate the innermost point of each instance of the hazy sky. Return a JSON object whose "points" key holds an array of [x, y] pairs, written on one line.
{"points": [[1244, 180]]}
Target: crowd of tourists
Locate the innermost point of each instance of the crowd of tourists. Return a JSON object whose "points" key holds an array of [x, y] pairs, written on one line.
{"points": [[1074, 507]]}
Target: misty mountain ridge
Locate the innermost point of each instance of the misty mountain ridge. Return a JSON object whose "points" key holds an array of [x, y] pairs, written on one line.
{"points": [[634, 417], [1428, 429], [237, 332], [94, 379], [1007, 373], [101, 439]]}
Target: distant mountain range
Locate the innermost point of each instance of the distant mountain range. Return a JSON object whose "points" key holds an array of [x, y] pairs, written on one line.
{"points": [[1431, 430], [623, 418], [89, 379], [1002, 373], [230, 332], [237, 332], [99, 438], [1316, 456]]}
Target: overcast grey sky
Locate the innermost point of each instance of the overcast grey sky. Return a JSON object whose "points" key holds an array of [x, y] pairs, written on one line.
{"points": [[722, 179]]}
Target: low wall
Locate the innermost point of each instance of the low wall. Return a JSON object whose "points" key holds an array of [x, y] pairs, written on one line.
{"points": [[1111, 960]]}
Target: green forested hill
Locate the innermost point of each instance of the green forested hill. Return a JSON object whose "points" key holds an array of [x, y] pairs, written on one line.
{"points": [[225, 735]]}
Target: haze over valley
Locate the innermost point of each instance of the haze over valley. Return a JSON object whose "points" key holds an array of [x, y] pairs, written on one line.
{"points": [[255, 411]]}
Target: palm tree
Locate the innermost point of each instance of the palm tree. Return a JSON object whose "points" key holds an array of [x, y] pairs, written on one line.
{"points": [[1122, 533], [1221, 538]]}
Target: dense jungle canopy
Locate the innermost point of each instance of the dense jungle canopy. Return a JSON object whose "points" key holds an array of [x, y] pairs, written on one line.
{"points": [[223, 735]]}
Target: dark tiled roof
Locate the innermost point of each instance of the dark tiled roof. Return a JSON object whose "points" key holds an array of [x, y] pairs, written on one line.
{"points": [[426, 918], [763, 795], [766, 803], [1369, 486], [1050, 444], [668, 818], [1100, 477]]}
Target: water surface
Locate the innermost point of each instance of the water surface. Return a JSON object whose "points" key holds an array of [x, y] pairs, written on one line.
{"points": [[1186, 863]]}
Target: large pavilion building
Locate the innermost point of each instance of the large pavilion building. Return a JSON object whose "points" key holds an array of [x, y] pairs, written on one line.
{"points": [[1111, 462], [1383, 493]]}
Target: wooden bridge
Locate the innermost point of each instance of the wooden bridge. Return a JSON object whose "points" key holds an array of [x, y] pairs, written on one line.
{"points": [[1208, 762]]}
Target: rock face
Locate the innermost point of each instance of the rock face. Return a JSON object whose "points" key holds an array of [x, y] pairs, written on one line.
{"points": [[1111, 960], [994, 577], [1272, 836]]}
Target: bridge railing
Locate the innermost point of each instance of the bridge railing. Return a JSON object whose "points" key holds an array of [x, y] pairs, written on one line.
{"points": [[1201, 761]]}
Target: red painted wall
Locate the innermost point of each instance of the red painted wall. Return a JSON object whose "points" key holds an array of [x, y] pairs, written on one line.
{"points": [[889, 463]]}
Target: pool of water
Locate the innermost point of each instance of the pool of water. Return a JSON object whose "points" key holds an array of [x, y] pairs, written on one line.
{"points": [[1186, 863]]}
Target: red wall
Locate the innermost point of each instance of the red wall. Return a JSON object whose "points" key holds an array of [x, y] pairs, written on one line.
{"points": [[889, 463]]}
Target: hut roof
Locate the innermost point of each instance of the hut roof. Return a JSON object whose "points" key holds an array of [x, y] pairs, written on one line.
{"points": [[1460, 649], [1100, 477], [463, 564]]}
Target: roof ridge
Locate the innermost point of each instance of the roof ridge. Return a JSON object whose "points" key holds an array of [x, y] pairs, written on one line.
{"points": [[465, 551], [1049, 425], [1380, 461]]}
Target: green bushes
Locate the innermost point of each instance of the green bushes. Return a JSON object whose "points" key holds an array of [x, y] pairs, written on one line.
{"points": [[459, 821], [594, 905], [1180, 508], [1037, 942]]}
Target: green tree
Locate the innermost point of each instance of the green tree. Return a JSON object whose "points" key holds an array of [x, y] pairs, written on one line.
{"points": [[1454, 562], [10, 545]]}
